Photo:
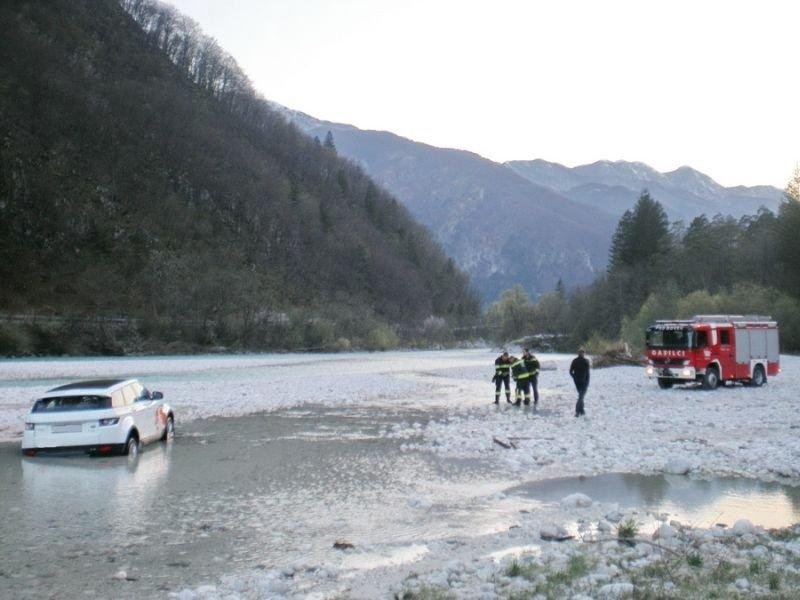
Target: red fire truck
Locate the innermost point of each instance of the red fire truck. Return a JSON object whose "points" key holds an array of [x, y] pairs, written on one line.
{"points": [[713, 349]]}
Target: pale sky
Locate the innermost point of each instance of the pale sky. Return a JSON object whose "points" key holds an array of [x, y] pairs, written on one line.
{"points": [[711, 84]]}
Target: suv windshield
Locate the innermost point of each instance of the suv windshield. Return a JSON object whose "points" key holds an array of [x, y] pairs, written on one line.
{"points": [[660, 336], [69, 403]]}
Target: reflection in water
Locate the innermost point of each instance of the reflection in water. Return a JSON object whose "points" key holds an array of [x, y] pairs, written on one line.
{"points": [[693, 501], [53, 486]]}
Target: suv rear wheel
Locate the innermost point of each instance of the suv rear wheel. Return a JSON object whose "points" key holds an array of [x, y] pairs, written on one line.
{"points": [[711, 378], [169, 430], [132, 446]]}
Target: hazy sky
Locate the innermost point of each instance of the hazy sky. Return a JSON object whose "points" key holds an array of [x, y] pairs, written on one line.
{"points": [[711, 84]]}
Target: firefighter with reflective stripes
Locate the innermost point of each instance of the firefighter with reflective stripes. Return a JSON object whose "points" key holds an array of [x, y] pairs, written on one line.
{"points": [[522, 380], [532, 364], [502, 370]]}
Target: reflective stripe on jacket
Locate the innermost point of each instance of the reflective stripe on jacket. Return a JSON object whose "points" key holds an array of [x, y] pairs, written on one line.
{"points": [[518, 370], [501, 367], [532, 365]]}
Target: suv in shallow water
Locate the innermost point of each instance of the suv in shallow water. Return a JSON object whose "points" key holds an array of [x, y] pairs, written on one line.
{"points": [[99, 417]]}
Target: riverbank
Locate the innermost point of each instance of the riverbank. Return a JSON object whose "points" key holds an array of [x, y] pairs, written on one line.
{"points": [[678, 561], [613, 555]]}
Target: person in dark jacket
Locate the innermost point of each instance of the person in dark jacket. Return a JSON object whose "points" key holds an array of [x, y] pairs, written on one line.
{"points": [[579, 369], [532, 364], [521, 378], [502, 371]]}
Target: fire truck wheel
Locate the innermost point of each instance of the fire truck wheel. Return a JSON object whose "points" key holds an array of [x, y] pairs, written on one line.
{"points": [[759, 378], [664, 383], [711, 378]]}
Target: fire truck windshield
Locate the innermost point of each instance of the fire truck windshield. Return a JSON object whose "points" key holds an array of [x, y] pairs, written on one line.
{"points": [[670, 337]]}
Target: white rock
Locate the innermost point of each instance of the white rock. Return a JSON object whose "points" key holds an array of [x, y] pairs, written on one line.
{"points": [[742, 527], [742, 583], [615, 590], [718, 532], [677, 466], [121, 575], [604, 526], [553, 532], [576, 501], [205, 589], [665, 532], [440, 579]]}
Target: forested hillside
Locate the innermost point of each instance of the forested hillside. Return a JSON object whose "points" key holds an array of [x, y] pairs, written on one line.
{"points": [[141, 175]]}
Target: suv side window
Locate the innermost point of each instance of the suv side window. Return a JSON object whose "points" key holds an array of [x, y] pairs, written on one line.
{"points": [[138, 391], [129, 395], [117, 399]]}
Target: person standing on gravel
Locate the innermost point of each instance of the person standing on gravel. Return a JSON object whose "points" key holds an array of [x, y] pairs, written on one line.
{"points": [[502, 372], [521, 380], [579, 370], [532, 364]]}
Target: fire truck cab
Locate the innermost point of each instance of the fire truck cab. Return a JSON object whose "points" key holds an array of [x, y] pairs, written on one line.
{"points": [[713, 349]]}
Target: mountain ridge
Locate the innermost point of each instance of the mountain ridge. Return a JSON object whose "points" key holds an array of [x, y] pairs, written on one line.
{"points": [[499, 227], [685, 192]]}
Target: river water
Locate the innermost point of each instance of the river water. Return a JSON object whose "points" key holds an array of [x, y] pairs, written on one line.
{"points": [[278, 488]]}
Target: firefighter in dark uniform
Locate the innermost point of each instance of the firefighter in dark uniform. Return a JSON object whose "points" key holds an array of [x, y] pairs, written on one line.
{"points": [[521, 378], [579, 369], [532, 364], [502, 370]]}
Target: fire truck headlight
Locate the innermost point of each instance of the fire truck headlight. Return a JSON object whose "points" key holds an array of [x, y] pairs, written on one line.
{"points": [[687, 372], [650, 371]]}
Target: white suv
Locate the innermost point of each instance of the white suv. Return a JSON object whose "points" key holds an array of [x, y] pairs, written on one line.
{"points": [[99, 417]]}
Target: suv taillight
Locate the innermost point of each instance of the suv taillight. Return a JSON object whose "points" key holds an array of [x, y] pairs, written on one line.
{"points": [[30, 426]]}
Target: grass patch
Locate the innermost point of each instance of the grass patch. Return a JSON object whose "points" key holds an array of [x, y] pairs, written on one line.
{"points": [[695, 560], [783, 535], [756, 567], [722, 573], [774, 581], [555, 582], [627, 530], [518, 569], [424, 593]]}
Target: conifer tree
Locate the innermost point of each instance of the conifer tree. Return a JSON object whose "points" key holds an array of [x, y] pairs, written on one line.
{"points": [[329, 143]]}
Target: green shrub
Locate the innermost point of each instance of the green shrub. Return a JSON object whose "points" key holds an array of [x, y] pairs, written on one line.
{"points": [[381, 338], [627, 530], [13, 340], [694, 560]]}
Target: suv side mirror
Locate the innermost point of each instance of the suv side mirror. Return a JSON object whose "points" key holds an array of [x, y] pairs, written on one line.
{"points": [[156, 395]]}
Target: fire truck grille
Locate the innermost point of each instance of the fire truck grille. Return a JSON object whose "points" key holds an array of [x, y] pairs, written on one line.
{"points": [[668, 362]]}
